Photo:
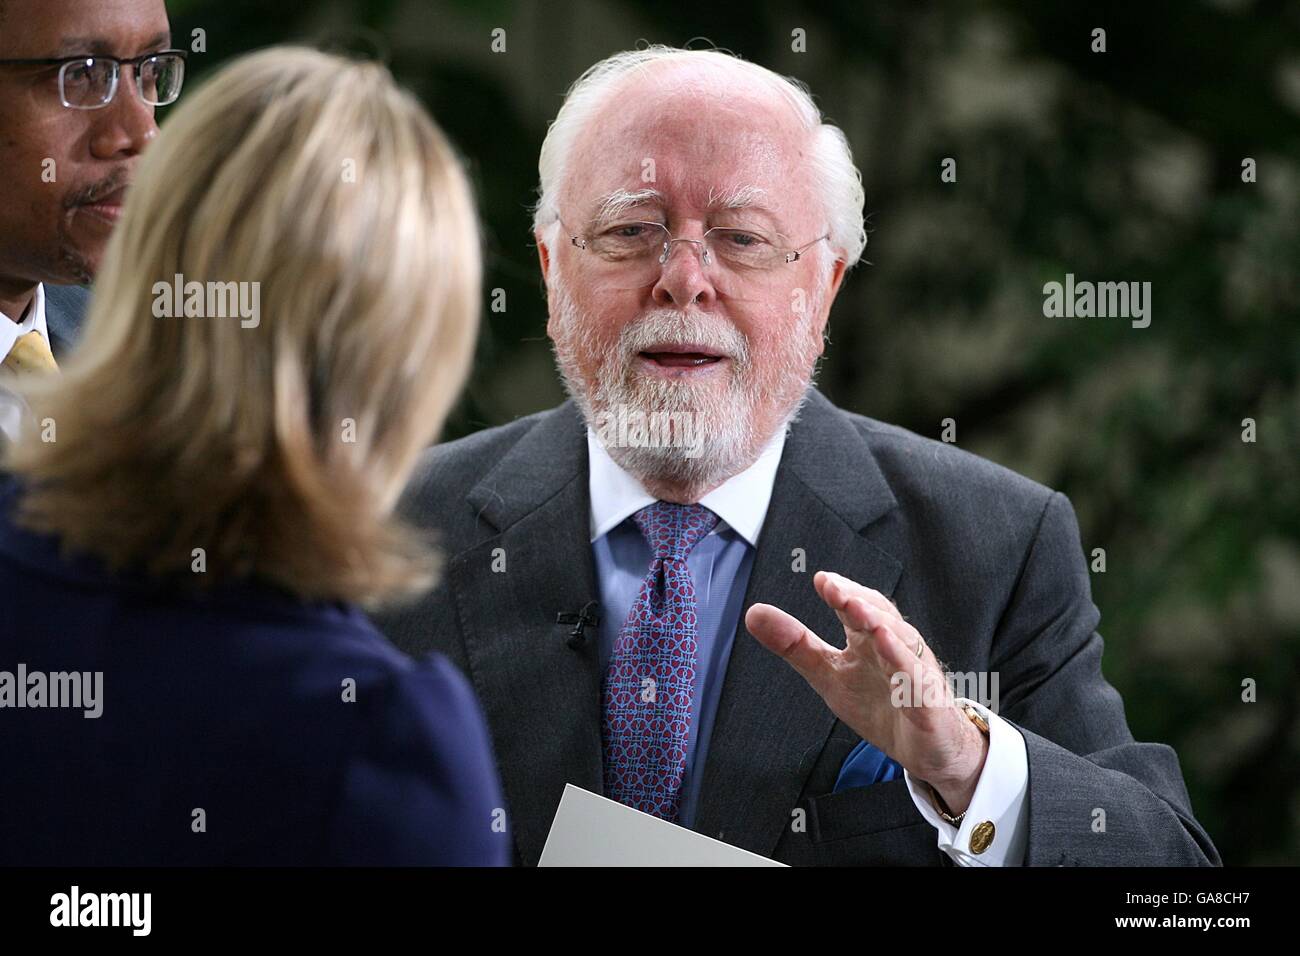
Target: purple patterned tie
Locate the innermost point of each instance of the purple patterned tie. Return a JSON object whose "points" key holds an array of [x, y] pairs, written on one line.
{"points": [[647, 693]]}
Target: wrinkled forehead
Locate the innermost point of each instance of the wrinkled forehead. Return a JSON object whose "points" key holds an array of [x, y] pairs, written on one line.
{"points": [[699, 140]]}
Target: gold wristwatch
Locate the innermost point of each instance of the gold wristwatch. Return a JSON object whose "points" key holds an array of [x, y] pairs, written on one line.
{"points": [[978, 720]]}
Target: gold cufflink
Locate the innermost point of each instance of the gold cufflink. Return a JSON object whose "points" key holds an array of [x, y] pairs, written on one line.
{"points": [[981, 838]]}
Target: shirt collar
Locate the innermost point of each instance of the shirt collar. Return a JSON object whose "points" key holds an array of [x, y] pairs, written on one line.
{"points": [[33, 321], [741, 501]]}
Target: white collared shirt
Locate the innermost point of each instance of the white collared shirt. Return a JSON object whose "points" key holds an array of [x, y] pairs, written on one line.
{"points": [[12, 406], [741, 503]]}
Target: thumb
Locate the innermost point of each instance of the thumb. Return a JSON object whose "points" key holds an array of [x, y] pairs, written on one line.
{"points": [[787, 638]]}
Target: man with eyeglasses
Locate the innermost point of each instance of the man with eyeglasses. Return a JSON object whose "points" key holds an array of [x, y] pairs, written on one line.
{"points": [[633, 578], [79, 83]]}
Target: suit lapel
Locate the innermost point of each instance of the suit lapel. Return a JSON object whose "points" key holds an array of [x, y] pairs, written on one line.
{"points": [[64, 312], [541, 697], [770, 725]]}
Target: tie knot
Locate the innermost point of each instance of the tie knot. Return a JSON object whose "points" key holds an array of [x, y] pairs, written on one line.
{"points": [[672, 529]]}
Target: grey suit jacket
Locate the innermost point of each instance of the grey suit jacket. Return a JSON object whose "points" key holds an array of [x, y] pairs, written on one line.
{"points": [[985, 563], [65, 309]]}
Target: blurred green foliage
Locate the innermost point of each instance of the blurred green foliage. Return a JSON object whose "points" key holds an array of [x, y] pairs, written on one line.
{"points": [[1116, 166]]}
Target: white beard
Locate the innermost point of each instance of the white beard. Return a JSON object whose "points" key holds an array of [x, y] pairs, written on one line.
{"points": [[721, 437]]}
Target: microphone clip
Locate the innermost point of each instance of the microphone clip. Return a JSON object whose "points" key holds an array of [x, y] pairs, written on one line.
{"points": [[581, 620]]}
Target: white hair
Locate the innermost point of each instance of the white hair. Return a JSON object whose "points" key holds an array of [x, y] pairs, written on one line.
{"points": [[835, 177]]}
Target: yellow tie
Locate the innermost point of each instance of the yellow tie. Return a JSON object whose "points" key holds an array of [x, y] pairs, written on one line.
{"points": [[31, 353]]}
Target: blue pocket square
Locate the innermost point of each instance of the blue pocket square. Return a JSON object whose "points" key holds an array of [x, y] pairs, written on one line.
{"points": [[867, 764]]}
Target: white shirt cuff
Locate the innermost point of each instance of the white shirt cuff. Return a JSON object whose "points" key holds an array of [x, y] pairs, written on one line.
{"points": [[1000, 799]]}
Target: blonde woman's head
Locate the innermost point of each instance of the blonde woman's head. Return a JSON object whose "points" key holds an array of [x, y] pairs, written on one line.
{"points": [[272, 444]]}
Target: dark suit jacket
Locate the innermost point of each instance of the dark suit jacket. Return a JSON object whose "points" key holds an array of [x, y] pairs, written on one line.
{"points": [[65, 311], [233, 704], [985, 563]]}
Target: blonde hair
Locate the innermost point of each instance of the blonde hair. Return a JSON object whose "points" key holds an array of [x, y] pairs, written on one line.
{"points": [[279, 449]]}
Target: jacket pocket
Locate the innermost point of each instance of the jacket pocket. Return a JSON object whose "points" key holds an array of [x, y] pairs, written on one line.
{"points": [[862, 810]]}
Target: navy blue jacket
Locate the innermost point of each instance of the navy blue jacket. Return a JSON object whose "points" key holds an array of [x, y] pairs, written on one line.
{"points": [[224, 735]]}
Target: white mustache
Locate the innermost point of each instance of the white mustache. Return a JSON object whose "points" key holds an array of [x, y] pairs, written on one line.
{"points": [[665, 327]]}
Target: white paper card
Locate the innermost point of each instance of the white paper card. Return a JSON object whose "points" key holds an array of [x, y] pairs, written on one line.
{"points": [[591, 830]]}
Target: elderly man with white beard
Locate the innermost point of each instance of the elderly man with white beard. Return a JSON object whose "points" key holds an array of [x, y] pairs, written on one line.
{"points": [[726, 639]]}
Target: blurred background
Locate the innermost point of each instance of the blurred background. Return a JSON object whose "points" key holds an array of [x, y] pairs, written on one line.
{"points": [[1125, 165]]}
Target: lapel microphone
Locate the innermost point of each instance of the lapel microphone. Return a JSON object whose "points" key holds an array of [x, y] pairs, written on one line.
{"points": [[581, 620]]}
